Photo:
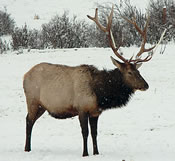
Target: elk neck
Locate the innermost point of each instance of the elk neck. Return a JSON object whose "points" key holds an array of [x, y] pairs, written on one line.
{"points": [[110, 89]]}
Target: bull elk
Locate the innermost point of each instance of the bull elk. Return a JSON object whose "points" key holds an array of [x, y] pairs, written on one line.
{"points": [[83, 90]]}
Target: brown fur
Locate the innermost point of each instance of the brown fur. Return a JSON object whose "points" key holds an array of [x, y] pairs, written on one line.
{"points": [[59, 88]]}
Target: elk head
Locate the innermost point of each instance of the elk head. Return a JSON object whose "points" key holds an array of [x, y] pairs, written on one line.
{"points": [[128, 68]]}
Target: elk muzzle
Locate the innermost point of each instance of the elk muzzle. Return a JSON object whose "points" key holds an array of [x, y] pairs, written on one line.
{"points": [[145, 87], [142, 84]]}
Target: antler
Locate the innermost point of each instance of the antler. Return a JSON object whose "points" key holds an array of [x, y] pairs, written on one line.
{"points": [[107, 30], [143, 34]]}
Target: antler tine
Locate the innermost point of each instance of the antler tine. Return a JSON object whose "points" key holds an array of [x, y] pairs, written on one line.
{"points": [[95, 19], [133, 23], [143, 34], [108, 31], [144, 38], [149, 57], [110, 19]]}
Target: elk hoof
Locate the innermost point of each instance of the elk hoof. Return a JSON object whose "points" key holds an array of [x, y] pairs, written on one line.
{"points": [[96, 153], [27, 149], [85, 154]]}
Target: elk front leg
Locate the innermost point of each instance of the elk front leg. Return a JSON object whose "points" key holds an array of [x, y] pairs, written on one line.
{"points": [[83, 118], [93, 124]]}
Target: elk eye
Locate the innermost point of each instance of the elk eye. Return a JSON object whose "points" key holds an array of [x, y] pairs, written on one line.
{"points": [[129, 73]]}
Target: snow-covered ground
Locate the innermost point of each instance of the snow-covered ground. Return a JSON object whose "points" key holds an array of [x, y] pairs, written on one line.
{"points": [[142, 131]]}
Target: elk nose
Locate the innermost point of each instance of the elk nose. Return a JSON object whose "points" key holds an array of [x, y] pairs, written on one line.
{"points": [[146, 86]]}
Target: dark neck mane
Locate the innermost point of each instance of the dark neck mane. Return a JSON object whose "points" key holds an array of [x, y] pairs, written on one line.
{"points": [[110, 89]]}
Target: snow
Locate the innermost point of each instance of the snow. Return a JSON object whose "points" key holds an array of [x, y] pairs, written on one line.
{"points": [[143, 130]]}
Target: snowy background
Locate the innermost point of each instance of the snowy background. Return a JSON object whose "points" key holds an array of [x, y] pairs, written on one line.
{"points": [[23, 11], [142, 131]]}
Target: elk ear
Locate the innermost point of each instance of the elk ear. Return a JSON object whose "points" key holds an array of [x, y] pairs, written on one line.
{"points": [[138, 65], [116, 63]]}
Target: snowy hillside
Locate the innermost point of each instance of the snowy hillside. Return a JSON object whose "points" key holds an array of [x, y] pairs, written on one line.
{"points": [[23, 11], [142, 131]]}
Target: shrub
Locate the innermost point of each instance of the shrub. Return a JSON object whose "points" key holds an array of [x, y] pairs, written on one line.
{"points": [[6, 23], [63, 32], [161, 20], [26, 38], [4, 46], [126, 34], [20, 37]]}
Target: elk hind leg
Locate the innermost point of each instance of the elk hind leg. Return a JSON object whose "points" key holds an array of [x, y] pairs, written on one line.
{"points": [[34, 112]]}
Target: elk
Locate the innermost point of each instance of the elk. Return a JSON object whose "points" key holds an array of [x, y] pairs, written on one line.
{"points": [[83, 91]]}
